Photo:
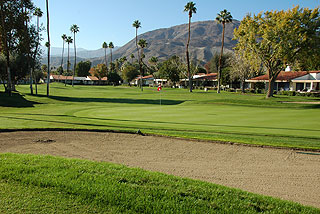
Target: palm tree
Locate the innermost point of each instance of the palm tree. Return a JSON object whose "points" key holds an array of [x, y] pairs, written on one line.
{"points": [[137, 25], [132, 57], [68, 40], [190, 8], [48, 46], [223, 17], [74, 29], [64, 37], [142, 43], [38, 13], [105, 46], [111, 46]]}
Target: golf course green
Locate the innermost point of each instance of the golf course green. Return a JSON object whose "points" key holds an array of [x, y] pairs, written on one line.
{"points": [[230, 117]]}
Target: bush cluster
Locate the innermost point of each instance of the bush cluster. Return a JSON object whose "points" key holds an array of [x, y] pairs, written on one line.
{"points": [[303, 94]]}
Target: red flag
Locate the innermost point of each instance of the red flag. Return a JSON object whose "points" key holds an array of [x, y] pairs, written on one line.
{"points": [[159, 87]]}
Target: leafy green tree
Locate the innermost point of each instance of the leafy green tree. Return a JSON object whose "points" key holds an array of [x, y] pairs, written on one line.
{"points": [[278, 38], [129, 72], [83, 68], [215, 61], [99, 71], [132, 57], [114, 78], [170, 69], [153, 62], [17, 36], [240, 69], [74, 29], [223, 17], [190, 8], [105, 46]]}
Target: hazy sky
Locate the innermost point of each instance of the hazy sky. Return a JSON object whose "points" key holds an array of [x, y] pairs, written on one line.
{"points": [[106, 20]]}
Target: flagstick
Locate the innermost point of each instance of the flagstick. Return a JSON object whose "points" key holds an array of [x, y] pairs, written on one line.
{"points": [[160, 100]]}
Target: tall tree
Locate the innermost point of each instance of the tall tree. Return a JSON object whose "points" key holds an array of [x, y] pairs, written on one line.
{"points": [[16, 35], [143, 44], [137, 24], [190, 8], [132, 57], [99, 71], [48, 46], [64, 37], [83, 68], [38, 13], [223, 17], [7, 36], [278, 38], [74, 29], [111, 46], [105, 46], [28, 10], [68, 40]]}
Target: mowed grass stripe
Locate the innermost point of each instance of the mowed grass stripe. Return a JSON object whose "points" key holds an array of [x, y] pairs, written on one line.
{"points": [[88, 186], [225, 117]]}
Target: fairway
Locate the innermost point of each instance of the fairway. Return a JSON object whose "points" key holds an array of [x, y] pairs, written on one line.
{"points": [[228, 117]]}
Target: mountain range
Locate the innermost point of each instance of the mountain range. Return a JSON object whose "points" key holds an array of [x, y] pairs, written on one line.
{"points": [[163, 43]]}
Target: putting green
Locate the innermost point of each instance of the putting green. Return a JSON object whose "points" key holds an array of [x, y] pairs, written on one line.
{"points": [[228, 117]]}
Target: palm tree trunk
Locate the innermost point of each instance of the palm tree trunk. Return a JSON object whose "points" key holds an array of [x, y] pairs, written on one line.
{"points": [[28, 54], [48, 33], [140, 68], [35, 55], [105, 56], [188, 60], [75, 57], [61, 60], [220, 59], [68, 65]]}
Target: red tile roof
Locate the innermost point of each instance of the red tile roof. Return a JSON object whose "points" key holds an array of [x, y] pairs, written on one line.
{"points": [[145, 77], [61, 77], [210, 76], [285, 75]]}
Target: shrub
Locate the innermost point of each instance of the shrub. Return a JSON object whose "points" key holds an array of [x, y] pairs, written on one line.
{"points": [[288, 93]]}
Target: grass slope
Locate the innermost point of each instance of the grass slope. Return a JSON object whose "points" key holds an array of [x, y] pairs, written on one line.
{"points": [[45, 184], [232, 117]]}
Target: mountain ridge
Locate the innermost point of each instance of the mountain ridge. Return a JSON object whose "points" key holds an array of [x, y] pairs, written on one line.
{"points": [[165, 42]]}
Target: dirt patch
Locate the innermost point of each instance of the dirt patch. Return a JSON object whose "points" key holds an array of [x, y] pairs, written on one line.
{"points": [[286, 174], [302, 102]]}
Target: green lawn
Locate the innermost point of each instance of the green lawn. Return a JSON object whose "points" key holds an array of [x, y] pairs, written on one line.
{"points": [[248, 118], [45, 184]]}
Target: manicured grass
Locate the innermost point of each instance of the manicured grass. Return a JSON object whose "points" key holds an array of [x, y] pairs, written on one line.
{"points": [[45, 184], [248, 118]]}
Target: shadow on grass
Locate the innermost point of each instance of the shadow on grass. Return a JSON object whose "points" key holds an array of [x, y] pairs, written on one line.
{"points": [[16, 100], [106, 127], [116, 100], [169, 123]]}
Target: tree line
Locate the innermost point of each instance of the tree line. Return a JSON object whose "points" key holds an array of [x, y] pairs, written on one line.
{"points": [[267, 43]]}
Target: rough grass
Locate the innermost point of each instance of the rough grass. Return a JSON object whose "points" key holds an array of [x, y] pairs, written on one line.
{"points": [[248, 118], [45, 184]]}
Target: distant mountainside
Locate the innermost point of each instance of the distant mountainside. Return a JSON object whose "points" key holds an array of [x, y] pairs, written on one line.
{"points": [[81, 52], [163, 43]]}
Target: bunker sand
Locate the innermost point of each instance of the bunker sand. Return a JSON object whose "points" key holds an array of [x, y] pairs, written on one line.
{"points": [[286, 174]]}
